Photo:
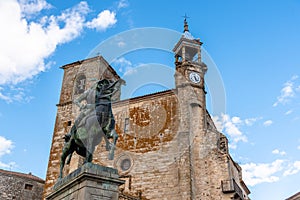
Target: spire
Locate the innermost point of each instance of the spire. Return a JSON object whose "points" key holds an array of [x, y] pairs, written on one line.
{"points": [[186, 32], [186, 26]]}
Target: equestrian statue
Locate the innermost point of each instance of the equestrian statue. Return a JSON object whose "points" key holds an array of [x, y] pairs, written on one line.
{"points": [[95, 121]]}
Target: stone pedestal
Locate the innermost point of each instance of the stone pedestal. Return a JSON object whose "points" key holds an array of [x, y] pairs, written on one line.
{"points": [[90, 181]]}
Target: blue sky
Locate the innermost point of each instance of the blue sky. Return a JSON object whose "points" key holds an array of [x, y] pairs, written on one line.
{"points": [[254, 46]]}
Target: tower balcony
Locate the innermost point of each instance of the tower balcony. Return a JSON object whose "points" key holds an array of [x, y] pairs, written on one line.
{"points": [[230, 186]]}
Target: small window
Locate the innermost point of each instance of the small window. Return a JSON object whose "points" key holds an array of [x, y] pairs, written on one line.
{"points": [[80, 84], [69, 123], [28, 187], [126, 125]]}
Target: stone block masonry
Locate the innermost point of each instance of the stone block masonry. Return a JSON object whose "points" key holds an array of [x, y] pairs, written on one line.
{"points": [[20, 186], [90, 181]]}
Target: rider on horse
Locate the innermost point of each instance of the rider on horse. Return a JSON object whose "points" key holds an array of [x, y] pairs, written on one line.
{"points": [[94, 121], [98, 99]]}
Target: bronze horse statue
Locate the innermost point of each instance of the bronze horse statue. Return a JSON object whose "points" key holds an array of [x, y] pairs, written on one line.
{"points": [[95, 122]]}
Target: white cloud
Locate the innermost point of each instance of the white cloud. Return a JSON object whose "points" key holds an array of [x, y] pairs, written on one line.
{"points": [[231, 126], [5, 98], [121, 44], [123, 4], [254, 174], [130, 71], [29, 7], [293, 169], [26, 44], [104, 20], [288, 112], [125, 66], [5, 146], [218, 123], [122, 63], [268, 123], [277, 151], [251, 121], [10, 165], [236, 120], [287, 92], [15, 94]]}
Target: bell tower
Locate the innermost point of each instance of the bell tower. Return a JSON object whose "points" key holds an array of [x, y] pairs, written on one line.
{"points": [[189, 75], [190, 88]]}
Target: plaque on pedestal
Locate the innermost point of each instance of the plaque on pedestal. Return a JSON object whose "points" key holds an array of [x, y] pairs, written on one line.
{"points": [[91, 181]]}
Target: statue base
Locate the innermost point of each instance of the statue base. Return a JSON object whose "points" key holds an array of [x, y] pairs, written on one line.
{"points": [[90, 181]]}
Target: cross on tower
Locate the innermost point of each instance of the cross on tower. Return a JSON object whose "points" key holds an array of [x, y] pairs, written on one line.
{"points": [[185, 17], [186, 26]]}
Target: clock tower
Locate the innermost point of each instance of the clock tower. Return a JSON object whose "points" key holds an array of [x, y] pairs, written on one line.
{"points": [[193, 128], [189, 75]]}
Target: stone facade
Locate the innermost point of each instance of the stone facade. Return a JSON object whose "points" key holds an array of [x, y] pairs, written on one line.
{"points": [[19, 186], [168, 146]]}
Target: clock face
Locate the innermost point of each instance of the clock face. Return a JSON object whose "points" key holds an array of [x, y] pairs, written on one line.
{"points": [[195, 77]]}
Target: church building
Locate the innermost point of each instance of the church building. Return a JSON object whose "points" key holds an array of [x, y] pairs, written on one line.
{"points": [[168, 146]]}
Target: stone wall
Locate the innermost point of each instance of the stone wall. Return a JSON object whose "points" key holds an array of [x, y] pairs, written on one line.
{"points": [[20, 186], [168, 146], [151, 155]]}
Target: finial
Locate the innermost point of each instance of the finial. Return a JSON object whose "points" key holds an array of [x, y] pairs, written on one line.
{"points": [[186, 26]]}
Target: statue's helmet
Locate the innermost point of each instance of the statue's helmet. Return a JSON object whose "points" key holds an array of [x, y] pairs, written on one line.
{"points": [[102, 83]]}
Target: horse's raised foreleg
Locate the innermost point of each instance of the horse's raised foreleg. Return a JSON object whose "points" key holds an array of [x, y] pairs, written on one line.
{"points": [[113, 146], [115, 136]]}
